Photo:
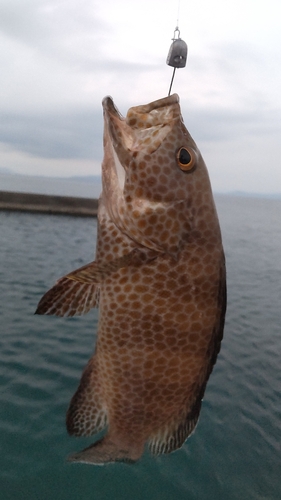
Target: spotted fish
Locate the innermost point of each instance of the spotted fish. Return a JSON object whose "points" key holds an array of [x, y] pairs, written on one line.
{"points": [[159, 282]]}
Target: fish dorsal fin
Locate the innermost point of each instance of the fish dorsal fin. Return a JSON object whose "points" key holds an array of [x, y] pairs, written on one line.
{"points": [[172, 436], [69, 298]]}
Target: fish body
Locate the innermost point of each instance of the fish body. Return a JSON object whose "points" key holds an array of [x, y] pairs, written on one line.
{"points": [[159, 282]]}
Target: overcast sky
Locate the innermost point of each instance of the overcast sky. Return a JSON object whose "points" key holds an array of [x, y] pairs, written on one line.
{"points": [[59, 58]]}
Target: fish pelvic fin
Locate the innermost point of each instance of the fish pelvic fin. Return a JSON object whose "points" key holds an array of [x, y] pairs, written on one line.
{"points": [[69, 298], [173, 435], [87, 414], [106, 451]]}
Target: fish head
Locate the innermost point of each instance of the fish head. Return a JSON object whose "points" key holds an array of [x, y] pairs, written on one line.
{"points": [[154, 177]]}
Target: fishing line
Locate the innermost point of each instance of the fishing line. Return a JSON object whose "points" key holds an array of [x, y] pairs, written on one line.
{"points": [[173, 76], [178, 16], [178, 52]]}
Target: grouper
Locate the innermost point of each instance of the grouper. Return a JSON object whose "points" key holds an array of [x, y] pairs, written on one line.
{"points": [[159, 281]]}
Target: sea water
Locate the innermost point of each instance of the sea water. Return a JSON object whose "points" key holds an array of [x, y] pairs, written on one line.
{"points": [[235, 452]]}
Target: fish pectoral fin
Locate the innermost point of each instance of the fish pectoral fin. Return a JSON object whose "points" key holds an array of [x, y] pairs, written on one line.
{"points": [[69, 298], [90, 273], [77, 292], [173, 435], [96, 272]]}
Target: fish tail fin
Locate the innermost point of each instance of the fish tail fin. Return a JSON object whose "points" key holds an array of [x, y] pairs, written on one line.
{"points": [[87, 413], [173, 435], [105, 451]]}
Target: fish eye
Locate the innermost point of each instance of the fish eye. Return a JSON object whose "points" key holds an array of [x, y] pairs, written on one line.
{"points": [[185, 159]]}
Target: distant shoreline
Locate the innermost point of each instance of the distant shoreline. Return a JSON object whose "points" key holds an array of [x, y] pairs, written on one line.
{"points": [[48, 204], [69, 205]]}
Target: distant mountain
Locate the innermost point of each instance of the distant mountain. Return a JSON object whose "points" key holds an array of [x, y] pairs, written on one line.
{"points": [[6, 171], [79, 186], [83, 178], [252, 195], [90, 178]]}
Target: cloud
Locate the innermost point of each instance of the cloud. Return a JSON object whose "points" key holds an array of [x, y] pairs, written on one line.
{"points": [[53, 27], [213, 125], [73, 134], [59, 59], [24, 163]]}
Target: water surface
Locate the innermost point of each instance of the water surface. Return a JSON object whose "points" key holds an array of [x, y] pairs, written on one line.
{"points": [[234, 453]]}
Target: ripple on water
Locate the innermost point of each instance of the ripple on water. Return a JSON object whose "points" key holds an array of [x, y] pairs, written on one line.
{"points": [[234, 453]]}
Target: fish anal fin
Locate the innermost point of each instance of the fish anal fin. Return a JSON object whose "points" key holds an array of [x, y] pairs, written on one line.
{"points": [[105, 451], [173, 435], [87, 414], [69, 298]]}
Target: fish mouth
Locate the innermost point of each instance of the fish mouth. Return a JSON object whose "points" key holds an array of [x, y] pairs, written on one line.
{"points": [[119, 132], [143, 129], [153, 114], [109, 106], [117, 141], [156, 113]]}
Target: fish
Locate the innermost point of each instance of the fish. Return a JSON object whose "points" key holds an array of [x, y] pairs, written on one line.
{"points": [[159, 280]]}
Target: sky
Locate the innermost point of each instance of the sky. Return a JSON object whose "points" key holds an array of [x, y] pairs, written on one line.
{"points": [[59, 58]]}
